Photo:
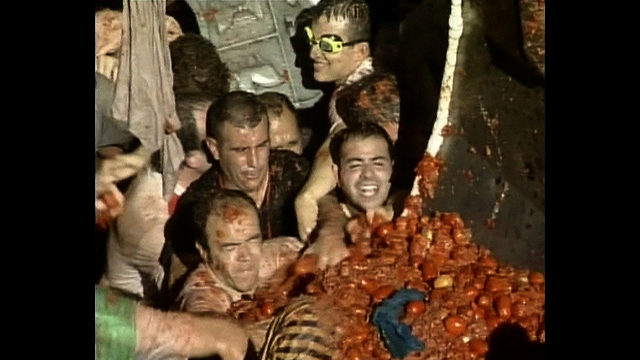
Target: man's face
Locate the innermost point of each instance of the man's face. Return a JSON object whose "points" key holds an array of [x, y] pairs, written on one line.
{"points": [[335, 67], [365, 171], [236, 246], [284, 132], [243, 154]]}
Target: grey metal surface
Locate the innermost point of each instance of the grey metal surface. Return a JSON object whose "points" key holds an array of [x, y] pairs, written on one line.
{"points": [[495, 159], [252, 37]]}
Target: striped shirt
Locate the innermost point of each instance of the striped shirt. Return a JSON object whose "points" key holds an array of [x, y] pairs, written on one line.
{"points": [[296, 333]]}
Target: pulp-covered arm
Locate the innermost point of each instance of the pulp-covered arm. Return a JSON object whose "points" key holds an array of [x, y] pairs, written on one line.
{"points": [[321, 181], [126, 329], [186, 335], [329, 240]]}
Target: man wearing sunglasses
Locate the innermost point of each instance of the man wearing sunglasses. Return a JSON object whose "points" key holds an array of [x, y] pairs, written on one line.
{"points": [[339, 47]]}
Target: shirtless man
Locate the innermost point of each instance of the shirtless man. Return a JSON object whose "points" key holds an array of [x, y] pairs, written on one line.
{"points": [[362, 165], [339, 38]]}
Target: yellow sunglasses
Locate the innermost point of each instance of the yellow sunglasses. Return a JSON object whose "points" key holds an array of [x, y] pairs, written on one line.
{"points": [[331, 44]]}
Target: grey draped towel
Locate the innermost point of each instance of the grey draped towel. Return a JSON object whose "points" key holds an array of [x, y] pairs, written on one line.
{"points": [[144, 89]]}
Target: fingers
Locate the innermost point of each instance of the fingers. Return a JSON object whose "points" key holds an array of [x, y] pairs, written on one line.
{"points": [[108, 66], [120, 168], [384, 212], [337, 255], [110, 205], [113, 199], [323, 262]]}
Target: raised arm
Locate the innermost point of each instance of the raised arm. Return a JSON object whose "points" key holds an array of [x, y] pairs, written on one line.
{"points": [[319, 184]]}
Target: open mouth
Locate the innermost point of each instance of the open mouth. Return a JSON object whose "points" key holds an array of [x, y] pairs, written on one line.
{"points": [[369, 190], [244, 272]]}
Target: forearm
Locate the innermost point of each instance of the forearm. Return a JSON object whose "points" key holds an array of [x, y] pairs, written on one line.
{"points": [[122, 166], [329, 241], [186, 335], [321, 180]]}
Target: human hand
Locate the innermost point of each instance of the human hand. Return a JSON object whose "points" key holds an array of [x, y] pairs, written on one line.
{"points": [[110, 204], [384, 213], [109, 152], [329, 253], [307, 215], [121, 167], [173, 28], [233, 346], [108, 66], [185, 335]]}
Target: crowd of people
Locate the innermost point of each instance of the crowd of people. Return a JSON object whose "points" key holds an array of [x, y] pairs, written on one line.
{"points": [[247, 202]]}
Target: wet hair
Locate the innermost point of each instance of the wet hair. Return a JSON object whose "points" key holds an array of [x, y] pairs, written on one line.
{"points": [[277, 102], [305, 17], [188, 132], [374, 98], [239, 108], [360, 131], [356, 12], [216, 205], [197, 67]]}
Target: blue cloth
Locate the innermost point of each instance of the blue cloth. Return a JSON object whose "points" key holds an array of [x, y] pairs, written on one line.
{"points": [[396, 335]]}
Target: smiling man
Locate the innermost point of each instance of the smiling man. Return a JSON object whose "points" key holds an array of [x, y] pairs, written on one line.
{"points": [[237, 132], [362, 163], [339, 39], [363, 158]]}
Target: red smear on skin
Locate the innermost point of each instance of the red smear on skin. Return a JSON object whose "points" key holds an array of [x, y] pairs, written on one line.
{"points": [[231, 213]]}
